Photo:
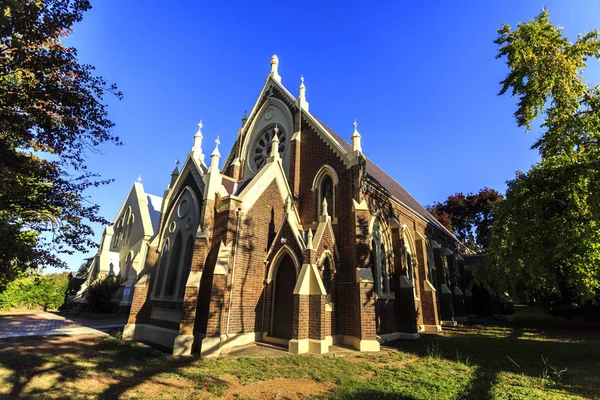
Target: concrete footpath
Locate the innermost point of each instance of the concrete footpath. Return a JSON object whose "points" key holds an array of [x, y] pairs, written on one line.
{"points": [[47, 323]]}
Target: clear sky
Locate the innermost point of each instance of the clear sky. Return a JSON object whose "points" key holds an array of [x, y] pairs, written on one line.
{"points": [[421, 80]]}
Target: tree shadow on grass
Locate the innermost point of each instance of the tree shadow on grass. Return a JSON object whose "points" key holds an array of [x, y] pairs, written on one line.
{"points": [[41, 367], [496, 348]]}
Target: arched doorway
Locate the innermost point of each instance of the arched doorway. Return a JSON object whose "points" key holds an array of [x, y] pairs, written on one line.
{"points": [[283, 299]]}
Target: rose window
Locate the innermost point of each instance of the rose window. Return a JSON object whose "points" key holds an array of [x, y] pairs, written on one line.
{"points": [[262, 148]]}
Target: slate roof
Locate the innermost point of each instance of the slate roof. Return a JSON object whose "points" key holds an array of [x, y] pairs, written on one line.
{"points": [[379, 177]]}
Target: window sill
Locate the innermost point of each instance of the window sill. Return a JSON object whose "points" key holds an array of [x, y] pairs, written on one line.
{"points": [[385, 296], [166, 299]]}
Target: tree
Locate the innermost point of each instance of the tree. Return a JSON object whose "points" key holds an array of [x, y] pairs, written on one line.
{"points": [[51, 115], [470, 217], [546, 238], [32, 290]]}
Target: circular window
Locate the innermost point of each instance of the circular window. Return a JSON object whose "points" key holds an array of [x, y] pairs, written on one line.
{"points": [[183, 208], [262, 147]]}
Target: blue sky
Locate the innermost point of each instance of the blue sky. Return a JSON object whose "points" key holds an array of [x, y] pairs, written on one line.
{"points": [[421, 80]]}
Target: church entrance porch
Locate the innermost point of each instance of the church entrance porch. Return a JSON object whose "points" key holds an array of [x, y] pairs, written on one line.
{"points": [[283, 299]]}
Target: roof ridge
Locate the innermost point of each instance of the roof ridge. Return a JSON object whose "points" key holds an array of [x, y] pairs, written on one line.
{"points": [[416, 206]]}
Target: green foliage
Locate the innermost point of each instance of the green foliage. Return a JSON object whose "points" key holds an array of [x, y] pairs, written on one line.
{"points": [[470, 217], [51, 113], [101, 291], [35, 291], [546, 238]]}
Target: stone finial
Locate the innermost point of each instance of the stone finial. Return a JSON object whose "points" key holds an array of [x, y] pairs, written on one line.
{"points": [[245, 117], [175, 172], [197, 148], [356, 138], [309, 239], [274, 155], [275, 68], [215, 155], [139, 179], [302, 103], [324, 212]]}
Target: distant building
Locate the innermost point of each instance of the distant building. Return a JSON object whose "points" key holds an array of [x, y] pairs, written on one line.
{"points": [[299, 239], [124, 245]]}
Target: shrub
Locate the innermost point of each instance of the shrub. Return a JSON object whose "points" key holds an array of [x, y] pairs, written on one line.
{"points": [[101, 292], [32, 290]]}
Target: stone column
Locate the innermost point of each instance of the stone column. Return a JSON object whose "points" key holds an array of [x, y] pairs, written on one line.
{"points": [[309, 333]]}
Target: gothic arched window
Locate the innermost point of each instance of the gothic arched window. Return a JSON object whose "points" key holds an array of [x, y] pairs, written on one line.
{"points": [[130, 222], [324, 185], [327, 273], [173, 266], [162, 269], [128, 267], [431, 271], [175, 260], [380, 250], [187, 264], [409, 256]]}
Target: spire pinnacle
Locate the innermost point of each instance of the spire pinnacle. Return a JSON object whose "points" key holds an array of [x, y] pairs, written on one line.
{"points": [[356, 138], [174, 174], [197, 147], [139, 179], [216, 150], [176, 170], [324, 207], [302, 95], [215, 156], [274, 68], [274, 155], [309, 239]]}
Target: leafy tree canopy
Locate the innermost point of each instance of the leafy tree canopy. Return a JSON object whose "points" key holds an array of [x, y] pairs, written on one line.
{"points": [[51, 114], [546, 238], [470, 217]]}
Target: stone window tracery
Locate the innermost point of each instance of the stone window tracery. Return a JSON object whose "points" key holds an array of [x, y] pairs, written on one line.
{"points": [[262, 146], [380, 251], [175, 260], [409, 256], [431, 271]]}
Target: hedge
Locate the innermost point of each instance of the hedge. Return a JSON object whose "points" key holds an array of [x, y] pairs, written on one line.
{"points": [[33, 291]]}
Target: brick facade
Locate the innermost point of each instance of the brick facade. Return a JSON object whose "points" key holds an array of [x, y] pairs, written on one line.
{"points": [[245, 225]]}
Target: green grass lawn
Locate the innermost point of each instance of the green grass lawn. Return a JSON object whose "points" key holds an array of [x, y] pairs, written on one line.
{"points": [[534, 357]]}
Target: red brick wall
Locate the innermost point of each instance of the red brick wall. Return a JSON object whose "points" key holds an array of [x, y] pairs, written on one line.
{"points": [[301, 310], [261, 221]]}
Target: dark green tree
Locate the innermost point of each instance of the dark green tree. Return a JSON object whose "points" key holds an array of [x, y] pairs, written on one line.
{"points": [[546, 238], [469, 217], [51, 114]]}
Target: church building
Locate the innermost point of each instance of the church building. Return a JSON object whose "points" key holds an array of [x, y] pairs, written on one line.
{"points": [[297, 239], [123, 247]]}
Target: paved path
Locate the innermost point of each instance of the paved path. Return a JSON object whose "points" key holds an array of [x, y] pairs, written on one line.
{"points": [[45, 323]]}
